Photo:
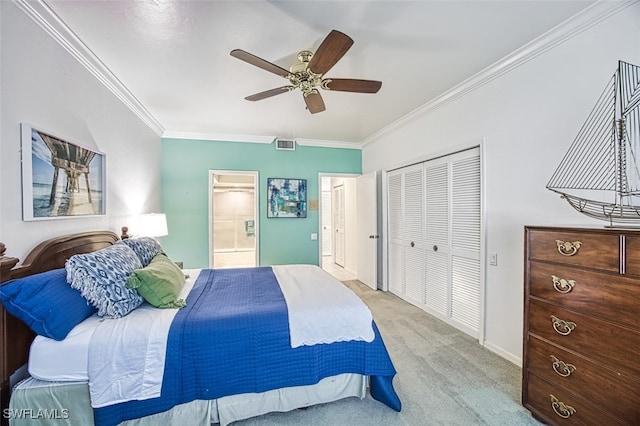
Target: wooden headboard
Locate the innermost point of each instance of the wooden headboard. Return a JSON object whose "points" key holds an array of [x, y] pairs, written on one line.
{"points": [[15, 336]]}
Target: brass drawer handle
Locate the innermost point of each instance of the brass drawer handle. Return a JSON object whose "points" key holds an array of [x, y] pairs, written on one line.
{"points": [[561, 409], [567, 248], [563, 369], [561, 285], [561, 326]]}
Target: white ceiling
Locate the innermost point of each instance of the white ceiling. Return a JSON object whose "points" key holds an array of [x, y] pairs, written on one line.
{"points": [[173, 56]]}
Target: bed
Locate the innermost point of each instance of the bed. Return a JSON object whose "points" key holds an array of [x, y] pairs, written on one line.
{"points": [[223, 379]]}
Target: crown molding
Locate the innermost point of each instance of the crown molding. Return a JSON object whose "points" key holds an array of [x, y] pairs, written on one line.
{"points": [[328, 143], [587, 18], [232, 137], [51, 23], [219, 137]]}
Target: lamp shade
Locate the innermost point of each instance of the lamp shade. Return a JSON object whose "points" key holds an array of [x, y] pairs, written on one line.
{"points": [[152, 225]]}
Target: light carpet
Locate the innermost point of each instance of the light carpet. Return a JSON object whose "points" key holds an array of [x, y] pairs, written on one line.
{"points": [[444, 377]]}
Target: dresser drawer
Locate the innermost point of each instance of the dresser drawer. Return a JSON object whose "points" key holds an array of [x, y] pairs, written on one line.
{"points": [[598, 294], [592, 250], [615, 394], [560, 407], [605, 343]]}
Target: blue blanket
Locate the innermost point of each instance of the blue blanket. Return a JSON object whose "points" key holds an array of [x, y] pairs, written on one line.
{"points": [[233, 338]]}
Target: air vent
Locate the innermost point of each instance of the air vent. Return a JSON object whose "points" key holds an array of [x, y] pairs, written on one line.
{"points": [[287, 145]]}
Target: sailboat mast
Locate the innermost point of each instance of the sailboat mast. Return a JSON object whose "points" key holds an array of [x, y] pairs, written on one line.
{"points": [[623, 187]]}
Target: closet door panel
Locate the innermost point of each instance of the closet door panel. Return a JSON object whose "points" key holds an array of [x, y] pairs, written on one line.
{"points": [[396, 233], [436, 202], [465, 242], [465, 294], [437, 284], [413, 191], [436, 178], [396, 269]]}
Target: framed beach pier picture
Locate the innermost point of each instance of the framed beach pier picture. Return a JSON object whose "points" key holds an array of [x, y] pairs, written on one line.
{"points": [[286, 197], [60, 178]]}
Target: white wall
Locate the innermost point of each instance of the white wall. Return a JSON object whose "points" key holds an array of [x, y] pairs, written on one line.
{"points": [[42, 84], [528, 117]]}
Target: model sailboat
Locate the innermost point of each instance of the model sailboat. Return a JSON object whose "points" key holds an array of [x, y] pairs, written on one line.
{"points": [[599, 175]]}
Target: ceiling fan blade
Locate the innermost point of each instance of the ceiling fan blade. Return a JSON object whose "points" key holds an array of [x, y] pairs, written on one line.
{"points": [[269, 93], [259, 62], [332, 48], [351, 85], [314, 102]]}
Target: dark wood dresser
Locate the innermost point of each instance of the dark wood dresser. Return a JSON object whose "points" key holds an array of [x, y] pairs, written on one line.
{"points": [[581, 358]]}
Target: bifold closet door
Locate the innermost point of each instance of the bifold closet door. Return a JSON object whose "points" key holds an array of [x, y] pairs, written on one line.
{"points": [[413, 192], [395, 218], [437, 201], [465, 242], [405, 189], [434, 237]]}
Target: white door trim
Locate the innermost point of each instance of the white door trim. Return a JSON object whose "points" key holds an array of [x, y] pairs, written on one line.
{"points": [[256, 176], [319, 195]]}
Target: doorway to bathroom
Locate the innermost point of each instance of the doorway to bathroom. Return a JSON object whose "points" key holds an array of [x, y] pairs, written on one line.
{"points": [[233, 224]]}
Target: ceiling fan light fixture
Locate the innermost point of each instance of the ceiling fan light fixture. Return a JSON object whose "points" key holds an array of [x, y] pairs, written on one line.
{"points": [[307, 74]]}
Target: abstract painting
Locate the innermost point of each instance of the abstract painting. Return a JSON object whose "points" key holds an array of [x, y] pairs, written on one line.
{"points": [[286, 197]]}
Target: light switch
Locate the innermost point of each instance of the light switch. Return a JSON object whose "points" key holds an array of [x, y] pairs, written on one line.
{"points": [[314, 236]]}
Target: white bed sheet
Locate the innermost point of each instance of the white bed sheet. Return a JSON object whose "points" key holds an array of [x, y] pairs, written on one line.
{"points": [[321, 309], [66, 361], [127, 355]]}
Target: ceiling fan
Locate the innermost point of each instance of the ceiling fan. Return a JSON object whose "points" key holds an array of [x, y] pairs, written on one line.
{"points": [[307, 75]]}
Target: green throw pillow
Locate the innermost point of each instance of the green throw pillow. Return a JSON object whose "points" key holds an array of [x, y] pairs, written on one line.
{"points": [[159, 283]]}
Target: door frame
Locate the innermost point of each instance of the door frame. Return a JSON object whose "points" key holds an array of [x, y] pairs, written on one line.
{"points": [[320, 176], [256, 177]]}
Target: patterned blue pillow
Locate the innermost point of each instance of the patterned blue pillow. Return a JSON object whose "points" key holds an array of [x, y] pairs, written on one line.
{"points": [[46, 303], [145, 247], [101, 277]]}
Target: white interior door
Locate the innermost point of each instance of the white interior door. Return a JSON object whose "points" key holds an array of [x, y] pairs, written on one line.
{"points": [[339, 225], [326, 223], [367, 235]]}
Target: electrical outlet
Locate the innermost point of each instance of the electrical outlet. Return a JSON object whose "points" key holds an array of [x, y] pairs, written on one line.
{"points": [[493, 259], [314, 236]]}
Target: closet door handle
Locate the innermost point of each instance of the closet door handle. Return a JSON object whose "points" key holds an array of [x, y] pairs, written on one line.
{"points": [[435, 248], [412, 244]]}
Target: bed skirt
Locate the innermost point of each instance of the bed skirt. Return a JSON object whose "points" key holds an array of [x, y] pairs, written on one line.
{"points": [[35, 402]]}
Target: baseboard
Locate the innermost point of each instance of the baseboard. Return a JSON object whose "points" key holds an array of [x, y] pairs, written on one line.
{"points": [[504, 354]]}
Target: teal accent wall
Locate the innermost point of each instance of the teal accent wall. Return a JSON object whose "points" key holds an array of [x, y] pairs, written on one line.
{"points": [[185, 166]]}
